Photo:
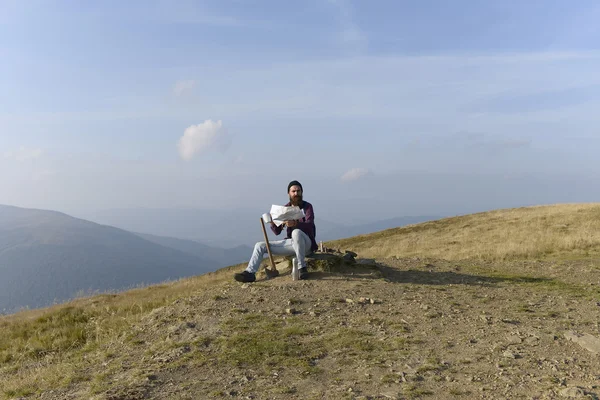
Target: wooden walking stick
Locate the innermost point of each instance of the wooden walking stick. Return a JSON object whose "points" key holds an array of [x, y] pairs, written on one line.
{"points": [[274, 268]]}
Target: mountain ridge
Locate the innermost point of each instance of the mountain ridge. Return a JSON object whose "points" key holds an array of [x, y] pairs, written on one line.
{"points": [[222, 256], [214, 227], [52, 256]]}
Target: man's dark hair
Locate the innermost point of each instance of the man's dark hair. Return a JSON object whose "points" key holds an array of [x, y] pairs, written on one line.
{"points": [[294, 183]]}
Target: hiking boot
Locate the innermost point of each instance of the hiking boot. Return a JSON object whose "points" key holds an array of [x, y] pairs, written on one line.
{"points": [[245, 277], [302, 274]]}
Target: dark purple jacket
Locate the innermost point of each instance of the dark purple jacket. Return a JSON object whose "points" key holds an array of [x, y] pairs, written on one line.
{"points": [[306, 224]]}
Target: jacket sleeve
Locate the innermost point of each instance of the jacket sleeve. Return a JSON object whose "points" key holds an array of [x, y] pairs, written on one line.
{"points": [[277, 229], [308, 225]]}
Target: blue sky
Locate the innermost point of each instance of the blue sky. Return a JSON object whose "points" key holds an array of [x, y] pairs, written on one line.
{"points": [[394, 107]]}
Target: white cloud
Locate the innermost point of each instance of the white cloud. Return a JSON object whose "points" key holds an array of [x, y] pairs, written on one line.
{"points": [[182, 88], [355, 174], [23, 154], [201, 137]]}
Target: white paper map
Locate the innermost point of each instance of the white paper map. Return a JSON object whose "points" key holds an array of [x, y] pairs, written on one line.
{"points": [[280, 214]]}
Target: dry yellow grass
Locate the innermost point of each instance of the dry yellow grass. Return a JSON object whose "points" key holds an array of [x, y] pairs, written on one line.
{"points": [[46, 348], [570, 230]]}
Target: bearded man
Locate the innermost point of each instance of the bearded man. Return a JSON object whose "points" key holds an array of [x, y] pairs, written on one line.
{"points": [[300, 239]]}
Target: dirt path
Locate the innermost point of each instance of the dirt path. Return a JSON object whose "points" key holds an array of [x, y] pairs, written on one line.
{"points": [[414, 329]]}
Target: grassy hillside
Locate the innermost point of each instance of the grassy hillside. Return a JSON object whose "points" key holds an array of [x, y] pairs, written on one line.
{"points": [[565, 230], [412, 326], [47, 348]]}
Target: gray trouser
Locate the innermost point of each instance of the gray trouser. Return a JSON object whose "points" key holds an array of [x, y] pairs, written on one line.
{"points": [[299, 245]]}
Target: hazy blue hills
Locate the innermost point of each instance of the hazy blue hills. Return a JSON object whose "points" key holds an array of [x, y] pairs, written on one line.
{"points": [[331, 231], [218, 228], [47, 257], [229, 228], [222, 257]]}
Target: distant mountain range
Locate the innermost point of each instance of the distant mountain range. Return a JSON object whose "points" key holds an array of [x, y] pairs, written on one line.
{"points": [[47, 257], [228, 228], [221, 257], [330, 231]]}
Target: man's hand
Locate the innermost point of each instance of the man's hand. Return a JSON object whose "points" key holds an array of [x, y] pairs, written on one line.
{"points": [[291, 224]]}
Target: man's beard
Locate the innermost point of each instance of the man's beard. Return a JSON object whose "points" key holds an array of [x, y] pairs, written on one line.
{"points": [[296, 201]]}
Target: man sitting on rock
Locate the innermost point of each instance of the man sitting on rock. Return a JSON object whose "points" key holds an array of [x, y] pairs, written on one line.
{"points": [[300, 238]]}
